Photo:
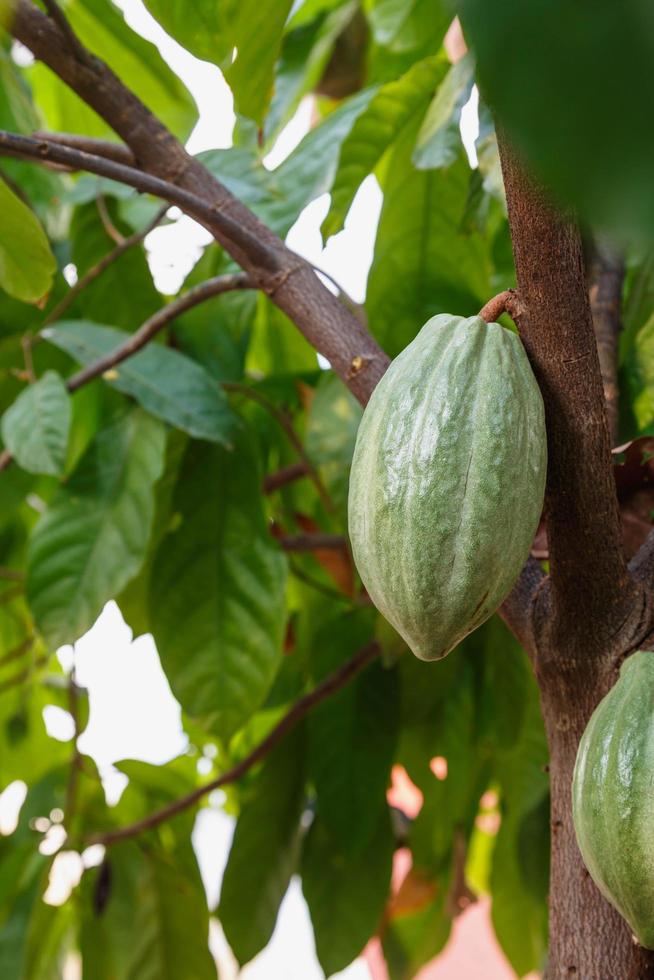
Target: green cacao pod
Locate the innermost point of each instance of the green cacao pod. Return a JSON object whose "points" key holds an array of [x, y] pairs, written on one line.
{"points": [[612, 795], [447, 481]]}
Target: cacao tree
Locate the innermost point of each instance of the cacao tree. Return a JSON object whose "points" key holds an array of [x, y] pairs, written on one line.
{"points": [[188, 456]]}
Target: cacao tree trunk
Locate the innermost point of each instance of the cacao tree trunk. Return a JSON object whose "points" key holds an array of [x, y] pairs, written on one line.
{"points": [[590, 611]]}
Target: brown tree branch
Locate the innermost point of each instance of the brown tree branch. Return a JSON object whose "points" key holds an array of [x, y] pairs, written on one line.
{"points": [[57, 15], [326, 323], [495, 307], [101, 148], [606, 271], [313, 542], [557, 330], [333, 683], [116, 236], [284, 476], [101, 266]]}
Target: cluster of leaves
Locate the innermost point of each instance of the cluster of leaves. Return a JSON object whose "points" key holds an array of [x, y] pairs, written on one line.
{"points": [[147, 486]]}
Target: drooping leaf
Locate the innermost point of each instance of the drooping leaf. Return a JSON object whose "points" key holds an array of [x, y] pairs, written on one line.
{"points": [[439, 139], [144, 914], [265, 850], [35, 429], [256, 33], [375, 130], [200, 29], [166, 383], [217, 589], [346, 895], [403, 25], [27, 265], [102, 28], [424, 263], [93, 538], [352, 737]]}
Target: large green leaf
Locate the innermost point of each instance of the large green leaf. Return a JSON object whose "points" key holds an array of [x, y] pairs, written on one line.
{"points": [[200, 28], [168, 384], [137, 62], [256, 33], [277, 346], [352, 737], [439, 139], [332, 423], [27, 265], [217, 590], [144, 914], [575, 96], [35, 428], [264, 852], [403, 25], [424, 263], [376, 128], [345, 895], [93, 538]]}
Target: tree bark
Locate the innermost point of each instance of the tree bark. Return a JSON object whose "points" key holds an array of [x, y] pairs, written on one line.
{"points": [[590, 612]]}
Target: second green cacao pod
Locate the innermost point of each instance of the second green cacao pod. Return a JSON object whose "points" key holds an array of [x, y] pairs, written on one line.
{"points": [[613, 795], [447, 481]]}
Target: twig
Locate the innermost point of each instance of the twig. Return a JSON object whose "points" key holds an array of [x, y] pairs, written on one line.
{"points": [[505, 302], [26, 345], [11, 574], [283, 476], [313, 542], [101, 266], [107, 223], [334, 682], [222, 225], [325, 590], [198, 294], [102, 148], [76, 760], [286, 424], [55, 11]]}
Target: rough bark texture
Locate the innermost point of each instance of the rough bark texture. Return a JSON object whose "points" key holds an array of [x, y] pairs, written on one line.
{"points": [[606, 272], [590, 611]]}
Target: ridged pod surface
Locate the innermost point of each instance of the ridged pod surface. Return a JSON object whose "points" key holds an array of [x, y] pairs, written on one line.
{"points": [[613, 795], [447, 481]]}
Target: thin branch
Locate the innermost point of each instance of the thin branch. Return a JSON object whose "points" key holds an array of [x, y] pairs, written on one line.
{"points": [[18, 679], [101, 148], [223, 227], [55, 11], [506, 302], [162, 318], [286, 424], [157, 322], [314, 583], [101, 266], [76, 759], [12, 574], [284, 476], [17, 652], [606, 273], [333, 683], [116, 236], [313, 542]]}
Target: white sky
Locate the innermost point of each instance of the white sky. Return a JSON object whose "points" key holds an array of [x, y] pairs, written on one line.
{"points": [[120, 672]]}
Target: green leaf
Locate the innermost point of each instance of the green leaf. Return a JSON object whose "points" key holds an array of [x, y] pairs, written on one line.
{"points": [[265, 850], [93, 537], [277, 346], [144, 914], [424, 264], [574, 98], [403, 25], [352, 737], [410, 940], [217, 590], [640, 377], [27, 265], [137, 62], [439, 139], [345, 895], [376, 129], [256, 34], [332, 423], [200, 29], [35, 429], [166, 383]]}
